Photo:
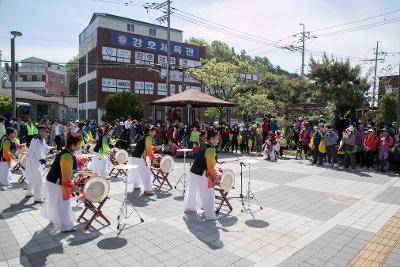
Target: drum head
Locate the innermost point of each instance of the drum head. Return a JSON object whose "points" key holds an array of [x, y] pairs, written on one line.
{"points": [[121, 156], [166, 164], [96, 189], [227, 180]]}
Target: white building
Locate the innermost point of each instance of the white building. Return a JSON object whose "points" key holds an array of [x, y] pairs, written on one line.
{"points": [[41, 77]]}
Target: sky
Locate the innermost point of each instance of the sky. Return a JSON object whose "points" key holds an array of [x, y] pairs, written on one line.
{"points": [[51, 27]]}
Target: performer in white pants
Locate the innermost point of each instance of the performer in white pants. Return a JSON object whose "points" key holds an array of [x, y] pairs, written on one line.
{"points": [[36, 159], [142, 174], [57, 207], [7, 152], [202, 179], [99, 162]]}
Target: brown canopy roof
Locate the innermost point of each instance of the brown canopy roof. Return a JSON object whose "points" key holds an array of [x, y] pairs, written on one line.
{"points": [[193, 98]]}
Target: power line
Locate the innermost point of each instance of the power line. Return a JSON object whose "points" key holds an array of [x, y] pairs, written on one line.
{"points": [[363, 27], [356, 21]]}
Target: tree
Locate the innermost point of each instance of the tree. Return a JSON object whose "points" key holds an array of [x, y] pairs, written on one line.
{"points": [[387, 109], [252, 101], [122, 105], [339, 82], [72, 73], [5, 104], [220, 78]]}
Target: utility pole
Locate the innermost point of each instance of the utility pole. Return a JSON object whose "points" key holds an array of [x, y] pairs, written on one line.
{"points": [[376, 66], [169, 46], [15, 34], [398, 102], [1, 71], [165, 7], [304, 48]]}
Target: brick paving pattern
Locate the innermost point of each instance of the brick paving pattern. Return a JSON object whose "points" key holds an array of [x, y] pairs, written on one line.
{"points": [[311, 216]]}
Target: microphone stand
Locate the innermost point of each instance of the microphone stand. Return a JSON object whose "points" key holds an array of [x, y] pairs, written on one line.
{"points": [[241, 196]]}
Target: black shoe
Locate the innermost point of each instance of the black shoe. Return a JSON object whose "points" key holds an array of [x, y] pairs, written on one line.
{"points": [[38, 202]]}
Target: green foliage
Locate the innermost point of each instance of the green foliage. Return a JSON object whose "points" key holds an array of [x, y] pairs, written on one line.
{"points": [[211, 113], [252, 101], [387, 109], [122, 105], [339, 82], [72, 72], [5, 104]]}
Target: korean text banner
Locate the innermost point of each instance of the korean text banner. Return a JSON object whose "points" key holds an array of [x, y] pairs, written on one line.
{"points": [[154, 45]]}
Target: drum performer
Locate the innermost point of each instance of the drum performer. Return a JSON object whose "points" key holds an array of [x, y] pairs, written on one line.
{"points": [[102, 147], [7, 152], [57, 208], [142, 174], [36, 158], [202, 178]]}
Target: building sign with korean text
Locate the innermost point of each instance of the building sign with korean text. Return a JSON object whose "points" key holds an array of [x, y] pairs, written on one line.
{"points": [[154, 45]]}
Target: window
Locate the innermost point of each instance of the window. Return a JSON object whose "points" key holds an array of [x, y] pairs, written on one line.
{"points": [[34, 78], [92, 60], [62, 81], [148, 88], [44, 77], [82, 93], [152, 32], [82, 66], [139, 88], [23, 78], [91, 90], [92, 114], [130, 27], [162, 89], [144, 58], [53, 92], [113, 85], [144, 88], [82, 114]]}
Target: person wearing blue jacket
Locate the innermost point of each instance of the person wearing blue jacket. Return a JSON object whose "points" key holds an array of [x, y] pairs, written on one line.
{"points": [[331, 139]]}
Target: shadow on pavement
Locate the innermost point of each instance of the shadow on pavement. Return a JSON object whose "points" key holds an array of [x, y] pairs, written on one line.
{"points": [[112, 243]]}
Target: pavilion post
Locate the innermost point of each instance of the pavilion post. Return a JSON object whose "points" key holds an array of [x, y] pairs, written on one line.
{"points": [[188, 114]]}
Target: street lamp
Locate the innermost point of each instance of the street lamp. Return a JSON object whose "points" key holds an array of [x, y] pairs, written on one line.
{"points": [[15, 34]]}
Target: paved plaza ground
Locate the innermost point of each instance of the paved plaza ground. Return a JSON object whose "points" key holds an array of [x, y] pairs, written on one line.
{"points": [[311, 216]]}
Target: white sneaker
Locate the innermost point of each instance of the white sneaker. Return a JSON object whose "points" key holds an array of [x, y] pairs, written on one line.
{"points": [[335, 165]]}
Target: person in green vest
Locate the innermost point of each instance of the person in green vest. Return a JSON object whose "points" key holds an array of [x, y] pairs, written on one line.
{"points": [[31, 131], [195, 137]]}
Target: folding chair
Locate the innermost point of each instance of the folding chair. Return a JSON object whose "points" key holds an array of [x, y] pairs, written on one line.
{"points": [[162, 171], [118, 157], [21, 166], [96, 212], [225, 186]]}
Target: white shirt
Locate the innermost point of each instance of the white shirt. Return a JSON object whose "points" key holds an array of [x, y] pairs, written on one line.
{"points": [[128, 124], [57, 129], [38, 149]]}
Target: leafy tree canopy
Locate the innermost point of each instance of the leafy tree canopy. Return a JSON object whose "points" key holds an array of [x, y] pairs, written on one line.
{"points": [[387, 110], [72, 72], [339, 82], [5, 104], [122, 105]]}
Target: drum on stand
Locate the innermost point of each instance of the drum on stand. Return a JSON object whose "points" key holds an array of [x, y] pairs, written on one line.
{"points": [[92, 189]]}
